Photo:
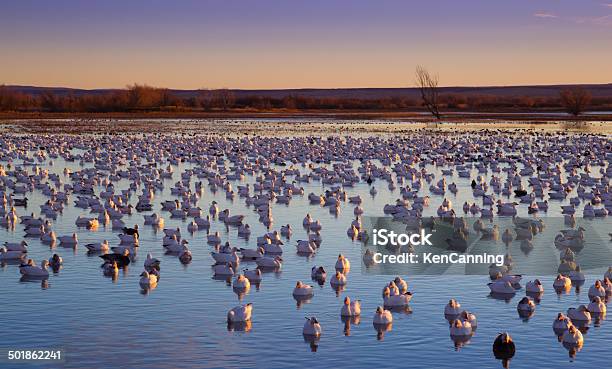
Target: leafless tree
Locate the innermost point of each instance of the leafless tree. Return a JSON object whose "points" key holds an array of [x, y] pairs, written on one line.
{"points": [[574, 100], [225, 98], [428, 86], [204, 98]]}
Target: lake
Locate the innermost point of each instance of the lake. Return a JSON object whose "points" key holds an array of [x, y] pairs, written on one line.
{"points": [[182, 323]]}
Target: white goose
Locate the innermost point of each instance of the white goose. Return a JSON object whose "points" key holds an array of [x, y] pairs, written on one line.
{"points": [[244, 230], [597, 306], [270, 262], [302, 290], [49, 237], [151, 262], [227, 257], [401, 284], [562, 282], [68, 240], [203, 223], [223, 270], [214, 209], [241, 282], [597, 290], [87, 222], [98, 246], [16, 246], [176, 246], [561, 322], [213, 239], [350, 308], [12, 255], [573, 336], [128, 239], [306, 247], [192, 227], [151, 219], [534, 286], [273, 248], [35, 231], [32, 270], [252, 253], [460, 328], [399, 300], [339, 279], [254, 276], [318, 273], [241, 313], [147, 280], [452, 308], [382, 316], [580, 314], [286, 230], [342, 264], [526, 305], [502, 287], [466, 316], [312, 327]]}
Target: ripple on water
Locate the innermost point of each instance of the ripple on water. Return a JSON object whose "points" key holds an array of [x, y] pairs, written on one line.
{"points": [[106, 323]]}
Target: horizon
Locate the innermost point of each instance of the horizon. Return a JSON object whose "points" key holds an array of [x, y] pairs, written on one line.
{"points": [[310, 88], [271, 45]]}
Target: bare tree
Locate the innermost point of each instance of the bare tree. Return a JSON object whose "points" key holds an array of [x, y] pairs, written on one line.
{"points": [[50, 102], [223, 98], [204, 98], [574, 100], [428, 85]]}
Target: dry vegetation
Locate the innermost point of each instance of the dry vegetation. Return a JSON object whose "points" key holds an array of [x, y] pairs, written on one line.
{"points": [[138, 99], [575, 100]]}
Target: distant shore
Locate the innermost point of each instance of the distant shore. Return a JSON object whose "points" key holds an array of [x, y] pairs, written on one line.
{"points": [[453, 116]]}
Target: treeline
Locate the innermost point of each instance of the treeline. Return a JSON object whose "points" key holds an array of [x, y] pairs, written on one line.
{"points": [[138, 98]]}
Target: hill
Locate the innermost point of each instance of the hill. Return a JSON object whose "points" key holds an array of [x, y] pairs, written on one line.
{"points": [[596, 90]]}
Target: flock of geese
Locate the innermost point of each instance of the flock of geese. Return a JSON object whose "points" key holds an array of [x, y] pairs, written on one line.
{"points": [[556, 167]]}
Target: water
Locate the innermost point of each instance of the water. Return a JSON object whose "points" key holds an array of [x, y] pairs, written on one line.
{"points": [[182, 323]]}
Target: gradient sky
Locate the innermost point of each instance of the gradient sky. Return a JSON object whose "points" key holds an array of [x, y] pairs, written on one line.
{"points": [[293, 44]]}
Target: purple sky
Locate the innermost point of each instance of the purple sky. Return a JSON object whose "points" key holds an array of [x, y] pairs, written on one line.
{"points": [[288, 44]]}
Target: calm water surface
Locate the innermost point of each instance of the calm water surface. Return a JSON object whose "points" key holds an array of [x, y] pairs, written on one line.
{"points": [[182, 323]]}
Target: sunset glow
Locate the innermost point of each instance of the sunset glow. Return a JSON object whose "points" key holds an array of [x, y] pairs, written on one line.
{"points": [[287, 44]]}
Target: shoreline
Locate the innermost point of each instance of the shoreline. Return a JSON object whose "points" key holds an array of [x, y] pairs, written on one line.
{"points": [[290, 126], [459, 116]]}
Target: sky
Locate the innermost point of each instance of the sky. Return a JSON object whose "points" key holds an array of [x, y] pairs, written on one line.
{"points": [[270, 44]]}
